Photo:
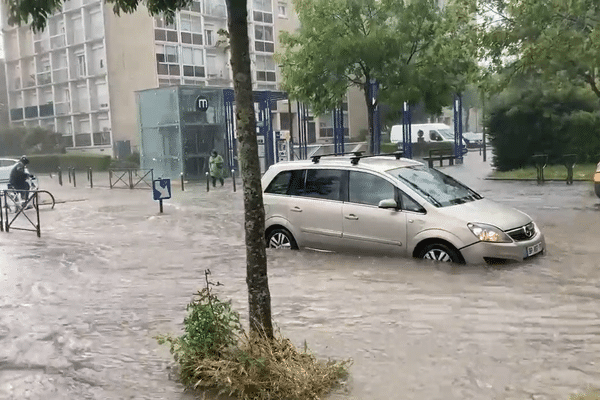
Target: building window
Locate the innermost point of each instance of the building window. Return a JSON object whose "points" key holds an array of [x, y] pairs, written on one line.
{"points": [[165, 32], [193, 62], [265, 68], [262, 5], [215, 8], [209, 37], [83, 139], [167, 60], [260, 16], [101, 138], [81, 69], [168, 82], [282, 8], [263, 38]]}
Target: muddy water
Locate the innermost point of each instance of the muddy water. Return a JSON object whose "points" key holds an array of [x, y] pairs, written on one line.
{"points": [[80, 306]]}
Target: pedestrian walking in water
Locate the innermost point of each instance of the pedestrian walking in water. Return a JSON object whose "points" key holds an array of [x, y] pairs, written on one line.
{"points": [[215, 163]]}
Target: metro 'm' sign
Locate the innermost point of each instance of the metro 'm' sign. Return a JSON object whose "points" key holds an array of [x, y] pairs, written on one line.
{"points": [[201, 103]]}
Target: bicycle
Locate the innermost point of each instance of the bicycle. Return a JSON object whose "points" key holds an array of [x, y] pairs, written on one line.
{"points": [[35, 199]]}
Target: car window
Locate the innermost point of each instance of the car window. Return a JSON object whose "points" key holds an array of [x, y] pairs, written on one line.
{"points": [[409, 204], [365, 188], [280, 184], [437, 188], [322, 183]]}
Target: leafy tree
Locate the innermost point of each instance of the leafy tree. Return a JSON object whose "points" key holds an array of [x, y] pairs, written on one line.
{"points": [[533, 116], [415, 50], [557, 38], [37, 12]]}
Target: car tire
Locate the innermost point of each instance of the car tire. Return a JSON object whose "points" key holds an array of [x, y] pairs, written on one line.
{"points": [[281, 238], [440, 252], [597, 189]]}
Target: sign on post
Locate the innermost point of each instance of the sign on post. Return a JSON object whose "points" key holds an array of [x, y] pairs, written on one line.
{"points": [[161, 189]]}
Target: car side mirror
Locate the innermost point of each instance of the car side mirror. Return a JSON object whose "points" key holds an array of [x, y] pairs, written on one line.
{"points": [[388, 203]]}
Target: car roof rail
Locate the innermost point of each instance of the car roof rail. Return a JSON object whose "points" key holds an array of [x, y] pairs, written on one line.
{"points": [[354, 160], [315, 159]]}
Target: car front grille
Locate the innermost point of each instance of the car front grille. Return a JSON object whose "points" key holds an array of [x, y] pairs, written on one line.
{"points": [[525, 232]]}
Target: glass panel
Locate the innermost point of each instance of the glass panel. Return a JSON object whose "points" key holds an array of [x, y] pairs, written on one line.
{"points": [[197, 38], [186, 37], [187, 55], [364, 188], [188, 70], [163, 69], [280, 184], [174, 69], [199, 71], [160, 34], [323, 183], [172, 36]]}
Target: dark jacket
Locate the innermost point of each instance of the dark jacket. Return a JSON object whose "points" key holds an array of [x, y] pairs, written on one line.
{"points": [[18, 175]]}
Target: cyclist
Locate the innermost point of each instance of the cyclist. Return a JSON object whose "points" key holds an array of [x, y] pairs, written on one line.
{"points": [[18, 177]]}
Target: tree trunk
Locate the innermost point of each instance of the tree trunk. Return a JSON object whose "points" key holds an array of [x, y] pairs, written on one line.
{"points": [[370, 112], [259, 298]]}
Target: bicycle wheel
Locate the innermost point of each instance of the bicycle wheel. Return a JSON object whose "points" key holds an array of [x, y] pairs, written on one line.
{"points": [[44, 198]]}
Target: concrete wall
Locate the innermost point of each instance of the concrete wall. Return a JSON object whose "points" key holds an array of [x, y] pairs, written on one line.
{"points": [[131, 66]]}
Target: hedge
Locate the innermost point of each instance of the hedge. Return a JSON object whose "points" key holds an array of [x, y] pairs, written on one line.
{"points": [[42, 163]]}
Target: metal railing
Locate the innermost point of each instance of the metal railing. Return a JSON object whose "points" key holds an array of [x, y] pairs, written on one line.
{"points": [[130, 177], [9, 201]]}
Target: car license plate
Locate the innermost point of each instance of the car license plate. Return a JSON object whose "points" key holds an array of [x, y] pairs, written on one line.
{"points": [[532, 250]]}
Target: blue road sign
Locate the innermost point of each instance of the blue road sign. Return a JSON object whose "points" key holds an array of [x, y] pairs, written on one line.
{"points": [[161, 189]]}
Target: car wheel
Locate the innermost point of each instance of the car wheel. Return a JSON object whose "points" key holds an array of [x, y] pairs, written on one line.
{"points": [[597, 189], [281, 238], [440, 252]]}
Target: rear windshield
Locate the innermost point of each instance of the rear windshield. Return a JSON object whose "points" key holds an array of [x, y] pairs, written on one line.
{"points": [[437, 188]]}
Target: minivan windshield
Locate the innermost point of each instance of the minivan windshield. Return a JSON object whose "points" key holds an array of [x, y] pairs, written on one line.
{"points": [[447, 134], [437, 188]]}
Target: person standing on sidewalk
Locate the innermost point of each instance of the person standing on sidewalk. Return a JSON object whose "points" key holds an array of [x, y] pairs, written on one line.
{"points": [[215, 163]]}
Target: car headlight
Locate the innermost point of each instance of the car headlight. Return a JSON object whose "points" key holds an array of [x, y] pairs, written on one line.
{"points": [[489, 233]]}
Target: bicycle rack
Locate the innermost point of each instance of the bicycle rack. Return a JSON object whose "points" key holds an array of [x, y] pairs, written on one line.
{"points": [[7, 222]]}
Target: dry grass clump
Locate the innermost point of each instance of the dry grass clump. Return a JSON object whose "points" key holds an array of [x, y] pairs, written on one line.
{"points": [[215, 353], [261, 369], [591, 394]]}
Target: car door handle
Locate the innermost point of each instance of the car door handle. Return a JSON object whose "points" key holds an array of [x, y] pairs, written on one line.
{"points": [[296, 209], [351, 216]]}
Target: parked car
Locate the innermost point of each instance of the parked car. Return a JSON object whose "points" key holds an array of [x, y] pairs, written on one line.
{"points": [[390, 205], [597, 180], [6, 165], [435, 135], [473, 140]]}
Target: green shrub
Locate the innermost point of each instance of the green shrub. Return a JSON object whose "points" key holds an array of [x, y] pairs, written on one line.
{"points": [[215, 353], [535, 117]]}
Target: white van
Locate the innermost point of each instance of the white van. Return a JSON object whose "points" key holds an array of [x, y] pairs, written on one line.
{"points": [[431, 133]]}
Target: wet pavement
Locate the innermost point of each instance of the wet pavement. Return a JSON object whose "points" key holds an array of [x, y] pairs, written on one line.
{"points": [[80, 305]]}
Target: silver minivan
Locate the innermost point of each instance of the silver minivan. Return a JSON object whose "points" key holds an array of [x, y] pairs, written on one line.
{"points": [[390, 205]]}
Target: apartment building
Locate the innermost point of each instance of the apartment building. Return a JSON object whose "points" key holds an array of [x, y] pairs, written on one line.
{"points": [[79, 76]]}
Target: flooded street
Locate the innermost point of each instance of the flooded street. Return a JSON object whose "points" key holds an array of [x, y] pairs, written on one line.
{"points": [[80, 305]]}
